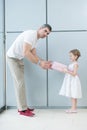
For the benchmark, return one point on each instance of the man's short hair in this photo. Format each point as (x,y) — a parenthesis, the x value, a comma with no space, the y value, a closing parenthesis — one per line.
(48,26)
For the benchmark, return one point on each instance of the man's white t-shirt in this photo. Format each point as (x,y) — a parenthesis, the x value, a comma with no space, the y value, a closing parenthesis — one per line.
(16,50)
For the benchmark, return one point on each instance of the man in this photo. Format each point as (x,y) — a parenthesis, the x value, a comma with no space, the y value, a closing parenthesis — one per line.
(25,46)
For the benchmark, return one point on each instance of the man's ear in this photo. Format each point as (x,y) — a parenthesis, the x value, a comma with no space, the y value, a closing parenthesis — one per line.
(40,28)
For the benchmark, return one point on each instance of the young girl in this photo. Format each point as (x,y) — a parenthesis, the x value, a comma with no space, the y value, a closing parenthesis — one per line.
(71,86)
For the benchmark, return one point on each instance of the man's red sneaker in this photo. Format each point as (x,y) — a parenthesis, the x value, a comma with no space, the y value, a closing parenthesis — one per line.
(30,109)
(26,113)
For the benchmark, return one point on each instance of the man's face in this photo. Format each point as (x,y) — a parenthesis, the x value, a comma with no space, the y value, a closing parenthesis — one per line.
(43,32)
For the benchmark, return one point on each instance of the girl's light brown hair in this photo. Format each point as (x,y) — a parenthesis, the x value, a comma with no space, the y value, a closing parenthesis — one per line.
(76,52)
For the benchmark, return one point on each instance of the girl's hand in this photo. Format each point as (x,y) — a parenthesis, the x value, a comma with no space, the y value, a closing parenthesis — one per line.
(65,70)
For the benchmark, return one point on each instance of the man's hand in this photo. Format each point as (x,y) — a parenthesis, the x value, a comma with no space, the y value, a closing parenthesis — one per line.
(45,64)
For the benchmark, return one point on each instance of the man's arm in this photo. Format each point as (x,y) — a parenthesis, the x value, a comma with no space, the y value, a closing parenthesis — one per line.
(31,55)
(27,51)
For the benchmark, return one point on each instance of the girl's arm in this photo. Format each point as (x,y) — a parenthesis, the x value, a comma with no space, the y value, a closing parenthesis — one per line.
(74,72)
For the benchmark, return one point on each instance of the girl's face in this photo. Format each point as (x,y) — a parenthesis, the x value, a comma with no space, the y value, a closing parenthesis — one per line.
(72,57)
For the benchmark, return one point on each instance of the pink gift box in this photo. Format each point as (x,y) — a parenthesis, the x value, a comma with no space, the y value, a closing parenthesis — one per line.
(58,66)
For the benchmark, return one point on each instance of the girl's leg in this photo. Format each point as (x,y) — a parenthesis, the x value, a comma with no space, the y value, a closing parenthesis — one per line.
(74,103)
(73,107)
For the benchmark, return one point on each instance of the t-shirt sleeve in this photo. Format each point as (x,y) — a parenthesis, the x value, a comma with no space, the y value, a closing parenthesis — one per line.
(29,39)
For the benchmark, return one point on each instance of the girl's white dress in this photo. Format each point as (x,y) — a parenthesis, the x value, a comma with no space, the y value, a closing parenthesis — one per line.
(71,86)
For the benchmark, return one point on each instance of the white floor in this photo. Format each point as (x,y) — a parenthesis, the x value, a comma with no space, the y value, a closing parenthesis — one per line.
(45,119)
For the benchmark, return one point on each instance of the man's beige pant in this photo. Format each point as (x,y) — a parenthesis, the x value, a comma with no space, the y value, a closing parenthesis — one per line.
(17,70)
